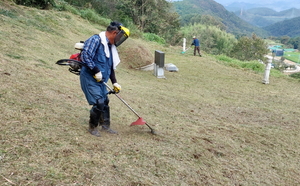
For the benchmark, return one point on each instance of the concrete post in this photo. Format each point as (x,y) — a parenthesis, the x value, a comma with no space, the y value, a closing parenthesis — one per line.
(267,71)
(159,63)
(184,45)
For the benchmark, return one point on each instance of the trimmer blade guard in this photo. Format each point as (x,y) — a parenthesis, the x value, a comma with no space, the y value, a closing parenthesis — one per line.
(139,121)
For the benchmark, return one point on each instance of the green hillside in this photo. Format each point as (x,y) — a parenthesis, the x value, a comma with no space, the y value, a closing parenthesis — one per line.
(189,9)
(263,17)
(289,27)
(217,123)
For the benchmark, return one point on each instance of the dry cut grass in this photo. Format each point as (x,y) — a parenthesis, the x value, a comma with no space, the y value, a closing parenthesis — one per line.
(217,125)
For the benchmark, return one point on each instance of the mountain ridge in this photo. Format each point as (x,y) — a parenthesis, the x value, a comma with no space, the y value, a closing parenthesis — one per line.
(234,24)
(263,16)
(284,28)
(278,6)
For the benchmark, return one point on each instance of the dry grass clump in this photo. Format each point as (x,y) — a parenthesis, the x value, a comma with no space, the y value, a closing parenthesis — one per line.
(217,125)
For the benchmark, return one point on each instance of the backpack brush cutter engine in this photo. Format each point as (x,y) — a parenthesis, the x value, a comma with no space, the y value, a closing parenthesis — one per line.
(75,67)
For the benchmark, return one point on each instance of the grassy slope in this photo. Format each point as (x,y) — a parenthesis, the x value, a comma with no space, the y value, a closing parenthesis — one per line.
(218,125)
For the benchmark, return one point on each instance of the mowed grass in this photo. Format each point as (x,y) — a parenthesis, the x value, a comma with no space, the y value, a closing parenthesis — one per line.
(217,125)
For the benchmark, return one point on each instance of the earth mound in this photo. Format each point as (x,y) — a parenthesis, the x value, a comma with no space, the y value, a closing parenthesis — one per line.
(134,55)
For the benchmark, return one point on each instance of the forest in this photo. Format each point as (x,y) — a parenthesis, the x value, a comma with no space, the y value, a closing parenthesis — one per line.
(221,31)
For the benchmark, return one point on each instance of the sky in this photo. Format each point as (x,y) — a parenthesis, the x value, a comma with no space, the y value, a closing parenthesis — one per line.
(255,1)
(274,4)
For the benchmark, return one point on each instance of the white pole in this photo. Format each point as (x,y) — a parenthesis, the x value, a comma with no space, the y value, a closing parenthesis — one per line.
(184,44)
(267,71)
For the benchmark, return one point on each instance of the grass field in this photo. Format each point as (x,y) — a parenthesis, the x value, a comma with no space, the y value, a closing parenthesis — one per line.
(292,56)
(217,125)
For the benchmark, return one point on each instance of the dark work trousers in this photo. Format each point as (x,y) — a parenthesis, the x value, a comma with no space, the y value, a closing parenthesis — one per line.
(198,49)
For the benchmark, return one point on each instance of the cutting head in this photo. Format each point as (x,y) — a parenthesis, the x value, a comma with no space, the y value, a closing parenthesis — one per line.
(139,121)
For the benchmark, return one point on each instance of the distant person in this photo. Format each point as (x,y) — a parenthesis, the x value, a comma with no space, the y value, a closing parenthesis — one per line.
(196,43)
(101,58)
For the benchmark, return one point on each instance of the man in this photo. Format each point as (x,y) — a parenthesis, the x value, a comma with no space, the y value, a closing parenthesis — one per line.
(101,58)
(196,43)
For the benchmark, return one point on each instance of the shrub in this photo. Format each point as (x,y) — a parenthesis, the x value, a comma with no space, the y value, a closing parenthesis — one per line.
(295,75)
(92,16)
(249,48)
(153,37)
(253,65)
(43,4)
(63,6)
(213,40)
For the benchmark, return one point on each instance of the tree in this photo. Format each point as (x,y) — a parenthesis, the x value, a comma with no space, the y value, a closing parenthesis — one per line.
(247,49)
(284,39)
(294,42)
(150,16)
(213,39)
(212,21)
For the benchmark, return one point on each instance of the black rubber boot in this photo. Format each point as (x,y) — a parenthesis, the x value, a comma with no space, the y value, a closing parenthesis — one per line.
(93,123)
(105,121)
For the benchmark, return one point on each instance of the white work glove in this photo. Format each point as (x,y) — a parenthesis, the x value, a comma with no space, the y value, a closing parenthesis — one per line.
(117,88)
(98,76)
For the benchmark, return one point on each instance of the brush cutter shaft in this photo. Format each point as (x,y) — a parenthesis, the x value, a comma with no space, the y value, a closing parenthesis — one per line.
(187,49)
(110,89)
